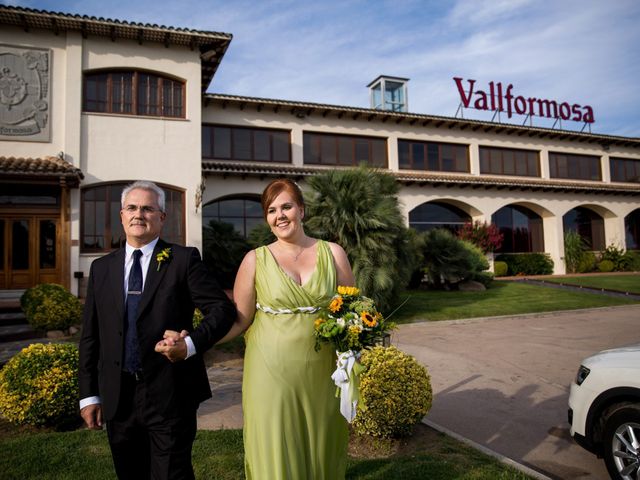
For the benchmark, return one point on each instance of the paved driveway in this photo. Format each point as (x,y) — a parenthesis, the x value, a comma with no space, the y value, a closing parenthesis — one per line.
(503,382)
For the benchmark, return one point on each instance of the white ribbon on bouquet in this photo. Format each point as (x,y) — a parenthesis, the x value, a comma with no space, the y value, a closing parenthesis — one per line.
(346,379)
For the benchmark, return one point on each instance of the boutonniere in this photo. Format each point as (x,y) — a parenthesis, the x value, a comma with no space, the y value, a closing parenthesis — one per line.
(163,256)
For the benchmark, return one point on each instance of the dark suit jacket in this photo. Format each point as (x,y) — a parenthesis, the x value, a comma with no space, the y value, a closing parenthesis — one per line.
(168,300)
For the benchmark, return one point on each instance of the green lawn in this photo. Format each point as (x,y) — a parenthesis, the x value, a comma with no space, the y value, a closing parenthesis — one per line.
(218,454)
(623,283)
(502,298)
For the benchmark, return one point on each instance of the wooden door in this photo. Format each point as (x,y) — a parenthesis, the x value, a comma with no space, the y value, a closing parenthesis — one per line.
(30,247)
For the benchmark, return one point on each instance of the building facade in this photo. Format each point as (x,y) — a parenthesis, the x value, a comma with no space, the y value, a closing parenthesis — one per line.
(127,101)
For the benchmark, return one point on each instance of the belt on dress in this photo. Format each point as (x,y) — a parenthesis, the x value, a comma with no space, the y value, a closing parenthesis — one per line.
(285,311)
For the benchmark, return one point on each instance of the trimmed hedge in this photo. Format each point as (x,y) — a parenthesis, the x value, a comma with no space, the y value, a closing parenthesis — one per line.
(500,268)
(527,263)
(49,306)
(39,386)
(395,393)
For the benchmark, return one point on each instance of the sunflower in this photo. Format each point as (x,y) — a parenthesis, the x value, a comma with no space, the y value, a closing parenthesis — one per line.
(336,304)
(368,319)
(348,290)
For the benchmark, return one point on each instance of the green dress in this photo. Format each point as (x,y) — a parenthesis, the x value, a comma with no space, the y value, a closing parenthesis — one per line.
(292,424)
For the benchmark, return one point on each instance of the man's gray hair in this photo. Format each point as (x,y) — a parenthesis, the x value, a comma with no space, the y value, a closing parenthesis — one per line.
(144,185)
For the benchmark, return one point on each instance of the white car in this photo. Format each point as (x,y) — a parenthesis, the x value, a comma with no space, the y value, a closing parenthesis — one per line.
(604,409)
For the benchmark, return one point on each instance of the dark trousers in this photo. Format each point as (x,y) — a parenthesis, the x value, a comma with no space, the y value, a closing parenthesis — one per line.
(146,445)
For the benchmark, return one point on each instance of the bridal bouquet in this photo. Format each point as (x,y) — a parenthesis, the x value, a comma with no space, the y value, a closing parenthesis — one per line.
(350,323)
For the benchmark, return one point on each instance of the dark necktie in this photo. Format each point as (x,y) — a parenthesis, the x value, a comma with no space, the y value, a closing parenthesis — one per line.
(134,292)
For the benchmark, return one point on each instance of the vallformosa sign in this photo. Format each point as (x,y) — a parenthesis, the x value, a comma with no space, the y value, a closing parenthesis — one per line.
(501,99)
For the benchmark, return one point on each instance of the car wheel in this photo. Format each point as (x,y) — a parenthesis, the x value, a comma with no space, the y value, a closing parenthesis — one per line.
(621,442)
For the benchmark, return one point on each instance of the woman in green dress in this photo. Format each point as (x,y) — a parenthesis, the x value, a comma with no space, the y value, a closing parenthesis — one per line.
(292,424)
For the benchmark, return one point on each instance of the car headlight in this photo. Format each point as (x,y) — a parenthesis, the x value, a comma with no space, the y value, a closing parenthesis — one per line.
(583,373)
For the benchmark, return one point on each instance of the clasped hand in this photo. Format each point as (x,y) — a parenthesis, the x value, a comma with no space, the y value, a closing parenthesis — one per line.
(173,345)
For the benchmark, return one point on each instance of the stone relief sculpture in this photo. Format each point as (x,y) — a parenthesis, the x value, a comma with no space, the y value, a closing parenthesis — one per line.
(24,93)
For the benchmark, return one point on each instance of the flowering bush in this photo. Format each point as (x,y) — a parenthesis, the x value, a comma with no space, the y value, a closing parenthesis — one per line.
(39,385)
(395,393)
(485,236)
(351,322)
(49,306)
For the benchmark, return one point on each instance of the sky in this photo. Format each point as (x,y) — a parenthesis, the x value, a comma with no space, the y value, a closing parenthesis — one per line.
(584,52)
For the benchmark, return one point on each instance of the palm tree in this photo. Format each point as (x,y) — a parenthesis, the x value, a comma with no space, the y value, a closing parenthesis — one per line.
(359,210)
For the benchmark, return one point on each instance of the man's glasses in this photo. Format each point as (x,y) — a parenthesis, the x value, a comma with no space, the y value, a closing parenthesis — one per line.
(144,209)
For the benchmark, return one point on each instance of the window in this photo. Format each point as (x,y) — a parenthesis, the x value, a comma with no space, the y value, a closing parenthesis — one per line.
(632,230)
(588,224)
(508,161)
(437,157)
(432,215)
(246,144)
(133,93)
(347,150)
(101,229)
(624,170)
(522,230)
(40,195)
(243,213)
(574,167)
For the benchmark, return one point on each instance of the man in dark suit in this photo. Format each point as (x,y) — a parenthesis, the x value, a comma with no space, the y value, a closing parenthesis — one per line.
(134,295)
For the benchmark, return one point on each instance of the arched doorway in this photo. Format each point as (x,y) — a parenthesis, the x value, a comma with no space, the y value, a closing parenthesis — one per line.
(522,229)
(432,215)
(588,224)
(244,212)
(632,230)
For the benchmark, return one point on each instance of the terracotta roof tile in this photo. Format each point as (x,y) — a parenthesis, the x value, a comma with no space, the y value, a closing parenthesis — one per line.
(46,167)
(426,178)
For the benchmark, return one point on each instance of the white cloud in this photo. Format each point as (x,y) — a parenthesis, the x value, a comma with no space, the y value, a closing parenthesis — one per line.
(582,51)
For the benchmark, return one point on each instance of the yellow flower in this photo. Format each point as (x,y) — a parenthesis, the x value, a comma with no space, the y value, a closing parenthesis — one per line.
(368,319)
(336,304)
(348,290)
(163,256)
(319,322)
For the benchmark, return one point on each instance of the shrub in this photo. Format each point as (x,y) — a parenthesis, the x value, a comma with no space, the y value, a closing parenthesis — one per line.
(197,318)
(500,268)
(485,236)
(527,263)
(395,393)
(50,307)
(606,266)
(39,386)
(574,249)
(616,256)
(224,249)
(261,235)
(587,263)
(632,261)
(449,260)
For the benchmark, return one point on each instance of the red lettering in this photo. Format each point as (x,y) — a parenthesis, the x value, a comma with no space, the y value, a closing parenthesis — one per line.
(481,101)
(588,115)
(577,113)
(463,96)
(495,100)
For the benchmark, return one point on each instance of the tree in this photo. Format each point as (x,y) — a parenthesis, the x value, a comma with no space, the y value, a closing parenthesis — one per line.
(223,251)
(359,210)
(485,236)
(449,260)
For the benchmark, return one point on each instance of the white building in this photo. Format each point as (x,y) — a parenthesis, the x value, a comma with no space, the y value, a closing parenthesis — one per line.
(92,104)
